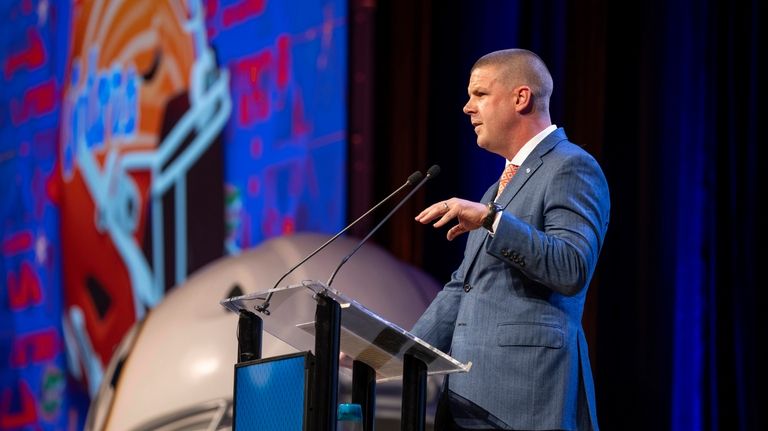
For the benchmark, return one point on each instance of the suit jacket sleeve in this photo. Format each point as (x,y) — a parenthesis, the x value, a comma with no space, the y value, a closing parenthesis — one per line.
(575,217)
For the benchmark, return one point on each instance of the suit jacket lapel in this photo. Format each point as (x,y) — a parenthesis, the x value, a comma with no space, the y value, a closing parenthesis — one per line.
(530,165)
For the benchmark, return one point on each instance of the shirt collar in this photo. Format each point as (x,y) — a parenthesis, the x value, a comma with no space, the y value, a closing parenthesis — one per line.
(530,145)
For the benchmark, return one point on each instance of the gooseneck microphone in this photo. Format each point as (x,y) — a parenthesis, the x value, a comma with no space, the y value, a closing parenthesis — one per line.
(431,173)
(414,178)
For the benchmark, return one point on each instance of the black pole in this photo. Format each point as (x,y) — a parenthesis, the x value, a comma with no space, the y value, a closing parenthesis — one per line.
(414,394)
(325,393)
(249,332)
(364,392)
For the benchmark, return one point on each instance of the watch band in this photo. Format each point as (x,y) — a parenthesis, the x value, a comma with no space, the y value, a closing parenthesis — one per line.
(493,209)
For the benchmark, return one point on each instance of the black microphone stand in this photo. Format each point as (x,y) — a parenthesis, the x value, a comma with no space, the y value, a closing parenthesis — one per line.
(431,173)
(414,178)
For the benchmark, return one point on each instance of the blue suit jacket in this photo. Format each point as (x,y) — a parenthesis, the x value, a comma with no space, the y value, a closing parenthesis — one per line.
(514,306)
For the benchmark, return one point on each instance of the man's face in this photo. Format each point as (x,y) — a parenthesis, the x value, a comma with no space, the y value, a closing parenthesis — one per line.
(491,108)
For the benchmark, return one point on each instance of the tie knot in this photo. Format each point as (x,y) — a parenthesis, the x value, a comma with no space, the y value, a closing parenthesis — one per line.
(509,172)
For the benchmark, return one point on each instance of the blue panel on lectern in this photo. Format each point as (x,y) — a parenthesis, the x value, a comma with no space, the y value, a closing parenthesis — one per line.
(270,393)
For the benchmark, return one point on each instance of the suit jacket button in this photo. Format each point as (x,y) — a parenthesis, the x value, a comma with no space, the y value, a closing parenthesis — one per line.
(467,287)
(505,252)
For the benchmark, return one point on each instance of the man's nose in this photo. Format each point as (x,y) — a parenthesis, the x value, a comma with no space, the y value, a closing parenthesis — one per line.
(468,108)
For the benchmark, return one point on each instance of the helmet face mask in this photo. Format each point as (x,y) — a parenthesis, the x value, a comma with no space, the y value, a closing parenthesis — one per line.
(144,106)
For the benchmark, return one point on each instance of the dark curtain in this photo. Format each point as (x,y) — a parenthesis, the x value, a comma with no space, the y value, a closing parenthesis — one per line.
(668,96)
(678,329)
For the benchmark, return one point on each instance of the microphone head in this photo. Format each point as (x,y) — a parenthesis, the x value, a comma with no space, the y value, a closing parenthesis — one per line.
(433,171)
(415,178)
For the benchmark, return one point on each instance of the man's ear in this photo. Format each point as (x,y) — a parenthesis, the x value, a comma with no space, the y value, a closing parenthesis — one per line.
(523,100)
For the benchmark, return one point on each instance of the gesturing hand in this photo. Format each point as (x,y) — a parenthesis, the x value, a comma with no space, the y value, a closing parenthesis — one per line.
(469,214)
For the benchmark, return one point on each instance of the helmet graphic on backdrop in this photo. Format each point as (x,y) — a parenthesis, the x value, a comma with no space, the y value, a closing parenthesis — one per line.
(143,104)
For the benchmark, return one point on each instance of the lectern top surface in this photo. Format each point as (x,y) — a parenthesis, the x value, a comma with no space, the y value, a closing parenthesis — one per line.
(365,336)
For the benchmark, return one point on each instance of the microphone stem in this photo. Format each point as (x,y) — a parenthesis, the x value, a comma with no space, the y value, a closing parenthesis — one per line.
(263,307)
(360,244)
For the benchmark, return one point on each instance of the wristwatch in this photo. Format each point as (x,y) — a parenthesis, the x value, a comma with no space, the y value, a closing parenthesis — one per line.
(490,218)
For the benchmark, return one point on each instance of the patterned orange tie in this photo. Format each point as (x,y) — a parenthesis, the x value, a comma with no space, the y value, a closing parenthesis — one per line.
(509,171)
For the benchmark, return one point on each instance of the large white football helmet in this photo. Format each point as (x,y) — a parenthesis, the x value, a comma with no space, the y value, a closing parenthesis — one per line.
(175,370)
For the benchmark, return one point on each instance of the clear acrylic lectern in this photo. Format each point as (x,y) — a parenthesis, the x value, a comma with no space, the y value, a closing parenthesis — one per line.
(294,315)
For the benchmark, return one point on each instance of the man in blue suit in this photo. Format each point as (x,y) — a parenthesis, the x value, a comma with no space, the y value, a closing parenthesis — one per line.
(514,306)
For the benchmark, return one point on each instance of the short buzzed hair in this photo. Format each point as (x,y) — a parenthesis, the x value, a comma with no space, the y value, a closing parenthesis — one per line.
(522,67)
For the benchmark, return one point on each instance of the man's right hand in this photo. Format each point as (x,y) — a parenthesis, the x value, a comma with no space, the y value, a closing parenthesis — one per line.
(469,214)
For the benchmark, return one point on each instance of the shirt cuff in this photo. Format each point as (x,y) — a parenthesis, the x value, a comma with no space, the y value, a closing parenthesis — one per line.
(496,222)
